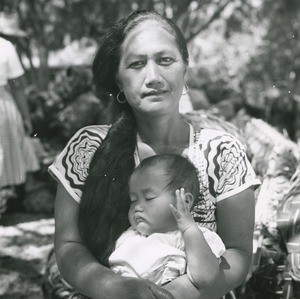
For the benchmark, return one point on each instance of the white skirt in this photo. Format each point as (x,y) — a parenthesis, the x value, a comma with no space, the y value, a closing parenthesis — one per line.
(14,164)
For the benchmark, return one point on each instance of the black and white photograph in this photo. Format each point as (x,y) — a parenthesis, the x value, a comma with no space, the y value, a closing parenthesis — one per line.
(150,149)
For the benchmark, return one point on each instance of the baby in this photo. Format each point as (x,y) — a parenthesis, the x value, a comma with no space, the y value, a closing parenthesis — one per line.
(164,241)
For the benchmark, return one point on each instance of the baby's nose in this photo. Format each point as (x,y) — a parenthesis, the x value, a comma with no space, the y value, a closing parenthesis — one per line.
(138,207)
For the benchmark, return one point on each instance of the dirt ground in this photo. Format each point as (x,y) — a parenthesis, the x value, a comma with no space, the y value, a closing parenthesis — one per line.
(25,241)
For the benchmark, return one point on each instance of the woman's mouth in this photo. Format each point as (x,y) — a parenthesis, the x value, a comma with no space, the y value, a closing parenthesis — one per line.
(154,93)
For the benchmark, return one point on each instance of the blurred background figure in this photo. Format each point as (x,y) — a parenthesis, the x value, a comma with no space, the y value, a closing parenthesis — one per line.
(18,156)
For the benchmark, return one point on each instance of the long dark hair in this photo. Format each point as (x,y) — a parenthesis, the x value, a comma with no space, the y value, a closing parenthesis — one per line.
(105,202)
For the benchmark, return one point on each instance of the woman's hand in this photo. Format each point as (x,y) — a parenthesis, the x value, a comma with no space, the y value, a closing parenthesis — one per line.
(181,287)
(134,288)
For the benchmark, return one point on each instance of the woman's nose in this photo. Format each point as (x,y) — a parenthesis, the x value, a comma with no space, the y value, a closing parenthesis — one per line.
(153,78)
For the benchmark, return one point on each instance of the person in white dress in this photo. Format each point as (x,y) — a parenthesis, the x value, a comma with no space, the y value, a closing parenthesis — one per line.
(15,122)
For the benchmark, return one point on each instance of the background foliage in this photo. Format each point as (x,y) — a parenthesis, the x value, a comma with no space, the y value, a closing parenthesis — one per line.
(244,53)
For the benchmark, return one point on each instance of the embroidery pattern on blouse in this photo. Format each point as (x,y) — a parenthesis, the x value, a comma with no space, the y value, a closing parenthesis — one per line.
(233,167)
(78,157)
(204,211)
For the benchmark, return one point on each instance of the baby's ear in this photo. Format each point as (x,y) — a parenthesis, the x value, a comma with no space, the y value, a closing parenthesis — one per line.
(189,199)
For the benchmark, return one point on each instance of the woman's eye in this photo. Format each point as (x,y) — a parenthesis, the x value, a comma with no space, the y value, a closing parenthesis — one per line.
(166,60)
(136,64)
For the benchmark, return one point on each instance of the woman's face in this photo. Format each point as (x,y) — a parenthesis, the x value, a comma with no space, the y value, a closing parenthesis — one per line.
(151,71)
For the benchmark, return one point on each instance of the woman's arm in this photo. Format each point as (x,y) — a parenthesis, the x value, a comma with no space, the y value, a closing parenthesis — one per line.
(16,86)
(81,270)
(235,222)
(200,256)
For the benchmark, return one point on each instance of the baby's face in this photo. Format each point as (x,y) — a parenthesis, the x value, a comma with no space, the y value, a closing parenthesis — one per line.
(149,211)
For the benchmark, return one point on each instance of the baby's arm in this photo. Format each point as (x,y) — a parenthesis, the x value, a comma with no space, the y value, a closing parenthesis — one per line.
(202,264)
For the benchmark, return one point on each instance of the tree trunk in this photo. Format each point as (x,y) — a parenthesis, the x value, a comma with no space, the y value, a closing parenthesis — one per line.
(43,71)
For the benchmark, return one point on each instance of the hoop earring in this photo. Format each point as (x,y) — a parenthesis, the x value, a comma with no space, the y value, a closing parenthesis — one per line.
(118,98)
(187,89)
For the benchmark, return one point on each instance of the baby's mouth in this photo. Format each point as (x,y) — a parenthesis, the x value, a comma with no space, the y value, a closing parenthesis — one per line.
(138,220)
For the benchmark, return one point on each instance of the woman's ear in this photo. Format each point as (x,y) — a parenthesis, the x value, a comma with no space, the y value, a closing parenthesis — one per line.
(189,199)
(118,82)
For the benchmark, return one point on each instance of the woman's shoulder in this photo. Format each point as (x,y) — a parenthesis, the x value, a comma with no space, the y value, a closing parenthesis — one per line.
(212,126)
(84,143)
(216,140)
(94,129)
(71,166)
(93,134)
(208,134)
(212,132)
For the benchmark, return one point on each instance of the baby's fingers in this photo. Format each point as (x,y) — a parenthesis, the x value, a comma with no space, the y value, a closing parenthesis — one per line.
(175,212)
(181,200)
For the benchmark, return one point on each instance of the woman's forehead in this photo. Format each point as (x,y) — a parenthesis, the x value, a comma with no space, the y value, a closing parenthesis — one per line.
(147,36)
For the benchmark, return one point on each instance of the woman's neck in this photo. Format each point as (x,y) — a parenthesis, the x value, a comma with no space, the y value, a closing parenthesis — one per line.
(164,134)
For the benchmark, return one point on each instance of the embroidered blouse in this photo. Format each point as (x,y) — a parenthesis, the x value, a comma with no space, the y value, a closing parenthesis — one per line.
(223,167)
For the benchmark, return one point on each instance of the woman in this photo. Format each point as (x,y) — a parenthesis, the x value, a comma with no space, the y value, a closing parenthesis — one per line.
(15,122)
(142,61)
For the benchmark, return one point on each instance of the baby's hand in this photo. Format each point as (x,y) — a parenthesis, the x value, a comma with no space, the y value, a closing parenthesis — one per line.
(182,214)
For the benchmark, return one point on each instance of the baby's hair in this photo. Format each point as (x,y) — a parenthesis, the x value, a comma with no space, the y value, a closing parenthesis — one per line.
(179,173)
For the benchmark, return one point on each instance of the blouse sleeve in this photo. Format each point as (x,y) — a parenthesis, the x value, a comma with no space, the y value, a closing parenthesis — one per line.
(230,171)
(214,241)
(70,167)
(14,68)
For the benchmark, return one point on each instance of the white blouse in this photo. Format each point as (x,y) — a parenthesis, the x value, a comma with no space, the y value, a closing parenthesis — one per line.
(10,65)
